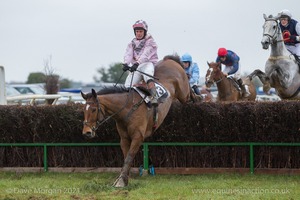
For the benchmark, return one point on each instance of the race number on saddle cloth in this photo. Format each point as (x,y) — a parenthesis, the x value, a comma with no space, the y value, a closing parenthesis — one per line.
(161,93)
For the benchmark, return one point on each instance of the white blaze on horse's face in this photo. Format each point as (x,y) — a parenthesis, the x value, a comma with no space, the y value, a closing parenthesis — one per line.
(90,121)
(210,70)
(208,81)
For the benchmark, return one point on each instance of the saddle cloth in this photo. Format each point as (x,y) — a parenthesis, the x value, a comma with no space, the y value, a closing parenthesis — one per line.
(161,93)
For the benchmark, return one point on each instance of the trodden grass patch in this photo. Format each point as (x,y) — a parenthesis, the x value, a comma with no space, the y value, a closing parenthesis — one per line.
(99,186)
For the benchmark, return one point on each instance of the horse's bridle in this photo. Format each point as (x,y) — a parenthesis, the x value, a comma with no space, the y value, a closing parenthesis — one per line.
(99,110)
(216,81)
(98,122)
(273,38)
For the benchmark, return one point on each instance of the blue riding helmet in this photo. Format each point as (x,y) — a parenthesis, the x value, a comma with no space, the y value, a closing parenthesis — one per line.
(186,58)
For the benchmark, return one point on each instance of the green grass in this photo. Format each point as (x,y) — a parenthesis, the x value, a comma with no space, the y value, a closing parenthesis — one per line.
(99,186)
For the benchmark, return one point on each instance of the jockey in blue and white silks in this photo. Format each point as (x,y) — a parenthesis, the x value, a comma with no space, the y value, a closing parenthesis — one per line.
(192,70)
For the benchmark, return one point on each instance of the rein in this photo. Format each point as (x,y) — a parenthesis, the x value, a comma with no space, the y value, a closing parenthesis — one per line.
(218,81)
(105,119)
(99,110)
(215,81)
(273,38)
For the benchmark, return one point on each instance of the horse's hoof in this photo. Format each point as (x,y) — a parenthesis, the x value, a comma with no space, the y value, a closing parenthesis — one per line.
(266,88)
(120,182)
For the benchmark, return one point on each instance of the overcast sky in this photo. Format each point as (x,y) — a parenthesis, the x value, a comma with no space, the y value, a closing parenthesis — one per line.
(81,36)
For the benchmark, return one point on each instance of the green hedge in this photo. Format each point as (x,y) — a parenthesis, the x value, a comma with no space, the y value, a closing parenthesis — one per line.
(203,122)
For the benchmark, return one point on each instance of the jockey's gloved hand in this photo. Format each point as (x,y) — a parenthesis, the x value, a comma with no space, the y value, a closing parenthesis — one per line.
(188,75)
(125,67)
(293,37)
(286,35)
(134,67)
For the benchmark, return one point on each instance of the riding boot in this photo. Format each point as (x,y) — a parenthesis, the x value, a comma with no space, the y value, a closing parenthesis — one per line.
(245,90)
(196,90)
(152,91)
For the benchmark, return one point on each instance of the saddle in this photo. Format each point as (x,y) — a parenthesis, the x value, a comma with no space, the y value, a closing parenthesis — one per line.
(161,92)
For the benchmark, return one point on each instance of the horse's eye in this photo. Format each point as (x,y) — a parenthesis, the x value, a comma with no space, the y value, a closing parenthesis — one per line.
(93,109)
(274,27)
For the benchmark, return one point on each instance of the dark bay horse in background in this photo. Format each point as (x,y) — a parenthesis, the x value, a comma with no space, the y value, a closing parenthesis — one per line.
(134,120)
(281,69)
(227,88)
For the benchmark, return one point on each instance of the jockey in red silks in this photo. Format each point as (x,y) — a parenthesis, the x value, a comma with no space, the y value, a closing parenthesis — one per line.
(232,67)
(141,54)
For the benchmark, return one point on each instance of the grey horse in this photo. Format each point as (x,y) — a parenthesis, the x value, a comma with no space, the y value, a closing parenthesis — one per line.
(281,69)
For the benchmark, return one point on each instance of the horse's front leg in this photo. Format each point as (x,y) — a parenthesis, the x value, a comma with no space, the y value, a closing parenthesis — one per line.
(122,180)
(263,78)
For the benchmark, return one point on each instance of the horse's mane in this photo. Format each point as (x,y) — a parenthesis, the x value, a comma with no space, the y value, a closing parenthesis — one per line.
(112,89)
(175,58)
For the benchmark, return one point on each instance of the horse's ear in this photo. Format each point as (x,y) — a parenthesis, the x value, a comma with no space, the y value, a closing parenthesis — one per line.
(219,65)
(265,16)
(278,16)
(84,96)
(94,93)
(208,63)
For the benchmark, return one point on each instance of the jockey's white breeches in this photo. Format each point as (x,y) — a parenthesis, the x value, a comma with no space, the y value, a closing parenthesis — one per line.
(236,75)
(294,49)
(136,77)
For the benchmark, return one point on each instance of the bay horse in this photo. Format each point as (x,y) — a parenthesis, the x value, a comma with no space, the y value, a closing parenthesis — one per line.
(134,119)
(227,88)
(205,96)
(281,68)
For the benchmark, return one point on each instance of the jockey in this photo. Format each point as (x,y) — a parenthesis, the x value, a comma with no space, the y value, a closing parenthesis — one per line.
(290,29)
(231,62)
(141,54)
(192,70)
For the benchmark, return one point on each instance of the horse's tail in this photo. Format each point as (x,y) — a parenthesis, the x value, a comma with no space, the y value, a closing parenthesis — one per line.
(175,58)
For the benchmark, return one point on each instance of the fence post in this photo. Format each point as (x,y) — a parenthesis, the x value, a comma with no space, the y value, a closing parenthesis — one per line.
(251,158)
(2,87)
(45,158)
(146,156)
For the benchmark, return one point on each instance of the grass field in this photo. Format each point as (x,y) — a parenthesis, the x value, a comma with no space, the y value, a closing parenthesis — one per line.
(99,186)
